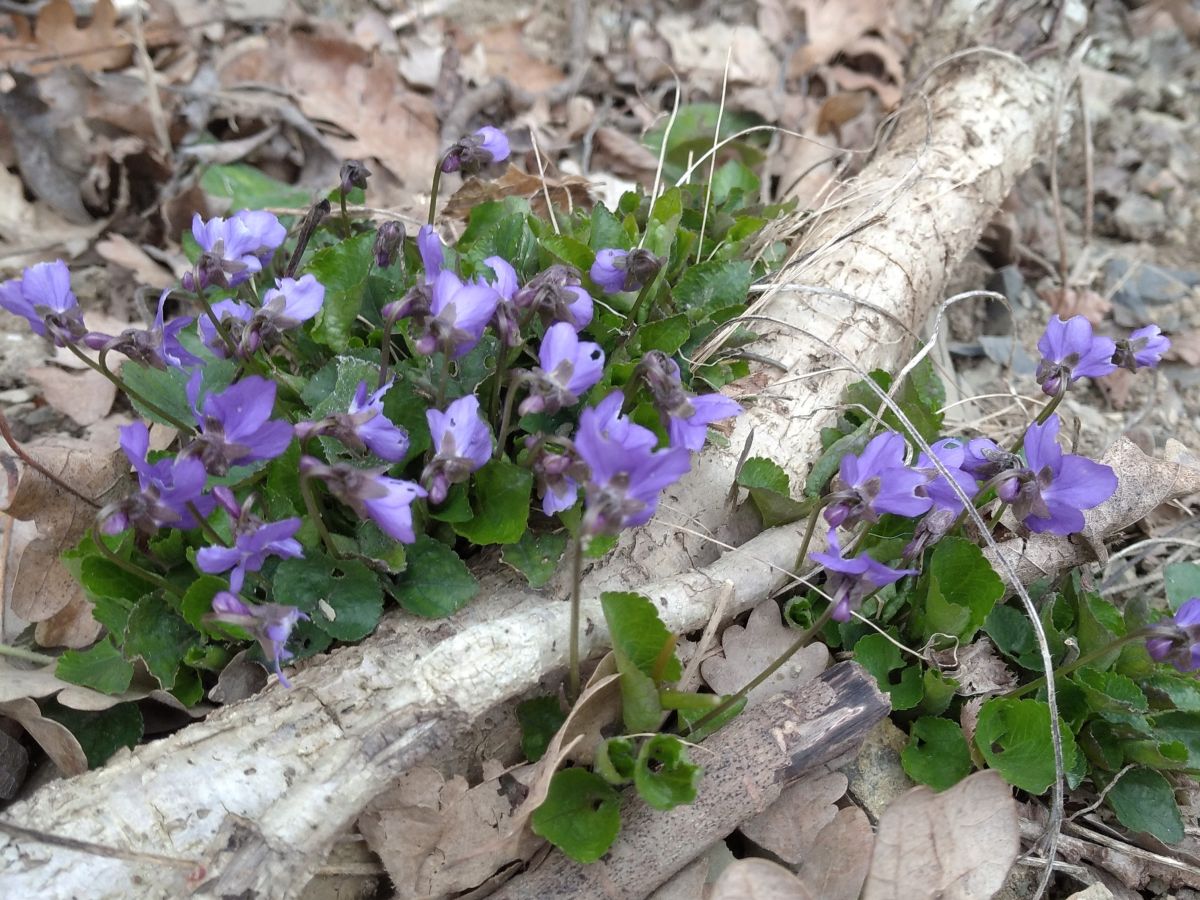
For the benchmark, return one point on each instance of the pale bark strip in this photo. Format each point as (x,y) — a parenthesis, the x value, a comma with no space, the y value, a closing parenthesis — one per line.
(746,766)
(301,764)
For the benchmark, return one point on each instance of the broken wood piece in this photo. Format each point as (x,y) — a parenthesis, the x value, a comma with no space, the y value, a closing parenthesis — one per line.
(746,766)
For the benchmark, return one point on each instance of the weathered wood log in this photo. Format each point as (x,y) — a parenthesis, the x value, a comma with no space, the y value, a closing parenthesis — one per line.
(746,766)
(301,764)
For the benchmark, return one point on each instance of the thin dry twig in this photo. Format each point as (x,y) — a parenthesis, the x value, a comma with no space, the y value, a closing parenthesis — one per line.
(69,843)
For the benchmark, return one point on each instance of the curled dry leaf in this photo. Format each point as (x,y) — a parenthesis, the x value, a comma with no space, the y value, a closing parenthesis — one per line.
(14,763)
(836,865)
(241,678)
(1071,302)
(567,192)
(43,586)
(60,745)
(790,825)
(759,879)
(981,671)
(437,838)
(57,39)
(956,845)
(751,649)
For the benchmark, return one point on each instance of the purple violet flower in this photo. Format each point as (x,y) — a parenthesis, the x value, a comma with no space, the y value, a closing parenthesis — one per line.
(568,367)
(235,426)
(851,580)
(1048,494)
(292,302)
(1178,641)
(234,316)
(687,417)
(43,297)
(459,314)
(472,153)
(387,501)
(462,443)
(692,432)
(1143,349)
(235,248)
(558,472)
(433,252)
(254,541)
(984,459)
(1070,351)
(169,488)
(624,270)
(952,453)
(507,320)
(363,427)
(555,295)
(625,475)
(877,481)
(157,346)
(270,623)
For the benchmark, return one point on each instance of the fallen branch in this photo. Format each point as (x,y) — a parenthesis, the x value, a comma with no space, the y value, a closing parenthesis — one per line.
(300,765)
(746,766)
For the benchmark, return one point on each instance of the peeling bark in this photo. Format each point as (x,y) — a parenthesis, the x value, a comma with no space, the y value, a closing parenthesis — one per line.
(298,766)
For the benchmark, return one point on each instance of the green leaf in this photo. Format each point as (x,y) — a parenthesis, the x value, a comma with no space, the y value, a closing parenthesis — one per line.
(713,285)
(101,733)
(938,692)
(693,131)
(381,549)
(160,636)
(828,462)
(937,753)
(406,408)
(730,177)
(921,398)
(1184,727)
(536,556)
(962,589)
(639,633)
(334,398)
(1014,738)
(436,582)
(1144,801)
(539,718)
(607,231)
(581,815)
(641,709)
(250,188)
(667,335)
(101,668)
(1011,632)
(615,761)
(456,507)
(689,718)
(664,776)
(1183,583)
(881,657)
(1109,692)
(197,600)
(343,597)
(1181,690)
(168,390)
(101,577)
(770,492)
(502,493)
(343,269)
(569,250)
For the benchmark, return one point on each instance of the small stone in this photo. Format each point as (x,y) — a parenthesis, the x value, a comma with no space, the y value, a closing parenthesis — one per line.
(876,776)
(13,396)
(1139,218)
(1095,891)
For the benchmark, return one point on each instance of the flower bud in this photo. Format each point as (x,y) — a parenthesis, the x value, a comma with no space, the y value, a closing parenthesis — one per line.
(354,175)
(388,239)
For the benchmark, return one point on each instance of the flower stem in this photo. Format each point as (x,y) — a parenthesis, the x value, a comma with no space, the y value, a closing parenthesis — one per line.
(345,217)
(576,588)
(437,183)
(131,567)
(28,655)
(314,513)
(24,456)
(216,323)
(209,531)
(385,351)
(813,518)
(1136,635)
(103,369)
(443,380)
(631,321)
(805,637)
(1045,414)
(506,419)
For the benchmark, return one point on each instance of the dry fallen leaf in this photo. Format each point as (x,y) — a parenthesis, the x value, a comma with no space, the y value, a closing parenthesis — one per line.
(751,649)
(14,763)
(956,845)
(568,192)
(58,39)
(686,884)
(1186,348)
(86,397)
(981,671)
(837,863)
(60,745)
(759,879)
(789,826)
(119,250)
(1071,302)
(241,678)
